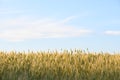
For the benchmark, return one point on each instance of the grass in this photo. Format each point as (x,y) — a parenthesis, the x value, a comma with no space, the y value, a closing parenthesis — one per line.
(65,65)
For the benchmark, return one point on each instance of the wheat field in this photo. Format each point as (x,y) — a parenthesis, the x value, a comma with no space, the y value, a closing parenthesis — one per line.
(54,65)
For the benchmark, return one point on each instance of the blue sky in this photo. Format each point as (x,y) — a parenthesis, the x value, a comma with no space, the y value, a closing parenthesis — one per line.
(56,24)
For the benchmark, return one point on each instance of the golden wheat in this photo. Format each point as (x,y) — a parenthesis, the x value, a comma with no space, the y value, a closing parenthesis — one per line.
(54,65)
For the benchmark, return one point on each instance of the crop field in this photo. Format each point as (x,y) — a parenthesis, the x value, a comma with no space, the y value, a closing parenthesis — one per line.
(64,65)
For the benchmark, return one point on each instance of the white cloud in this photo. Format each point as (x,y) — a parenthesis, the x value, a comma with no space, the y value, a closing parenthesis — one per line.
(20,29)
(110,32)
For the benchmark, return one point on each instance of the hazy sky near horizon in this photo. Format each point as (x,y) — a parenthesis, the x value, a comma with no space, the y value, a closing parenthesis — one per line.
(56,24)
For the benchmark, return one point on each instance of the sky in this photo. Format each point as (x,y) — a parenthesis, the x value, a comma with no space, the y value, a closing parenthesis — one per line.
(60,24)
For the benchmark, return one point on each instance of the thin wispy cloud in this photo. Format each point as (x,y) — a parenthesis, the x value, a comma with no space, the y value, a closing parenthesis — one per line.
(68,19)
(110,32)
(9,11)
(7,0)
(20,29)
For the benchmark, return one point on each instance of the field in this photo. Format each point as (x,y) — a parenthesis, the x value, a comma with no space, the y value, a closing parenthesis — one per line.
(64,65)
